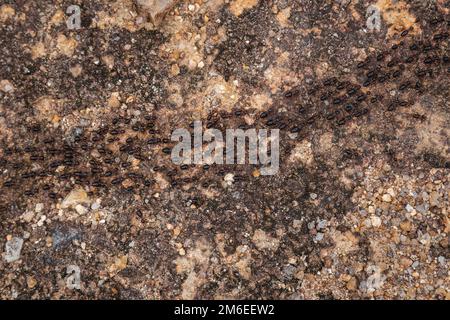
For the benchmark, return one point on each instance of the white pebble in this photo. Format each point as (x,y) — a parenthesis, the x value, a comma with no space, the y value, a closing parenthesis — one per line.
(387,197)
(41,221)
(12,249)
(80,209)
(322,224)
(376,221)
(39,207)
(96,205)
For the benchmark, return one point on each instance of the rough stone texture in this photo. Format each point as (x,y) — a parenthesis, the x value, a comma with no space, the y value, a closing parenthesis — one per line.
(157,9)
(359,208)
(12,249)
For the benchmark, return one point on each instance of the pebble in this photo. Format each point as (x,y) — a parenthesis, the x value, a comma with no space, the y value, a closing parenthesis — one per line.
(322,224)
(229,178)
(424,238)
(297,223)
(41,221)
(319,236)
(289,271)
(6,86)
(434,199)
(96,205)
(409,208)
(391,192)
(31,282)
(73,281)
(352,284)
(387,197)
(422,208)
(76,196)
(13,248)
(376,221)
(80,209)
(406,262)
(313,196)
(39,207)
(28,216)
(374,281)
(406,226)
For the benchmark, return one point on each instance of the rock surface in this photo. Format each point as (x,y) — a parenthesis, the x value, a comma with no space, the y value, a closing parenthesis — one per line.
(92,206)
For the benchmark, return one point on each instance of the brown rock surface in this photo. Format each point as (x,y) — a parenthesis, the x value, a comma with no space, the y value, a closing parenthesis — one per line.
(93,207)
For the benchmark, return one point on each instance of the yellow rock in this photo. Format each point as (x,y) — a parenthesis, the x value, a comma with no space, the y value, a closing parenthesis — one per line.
(238,6)
(114,100)
(177,231)
(56,119)
(397,16)
(31,282)
(76,196)
(256,173)
(264,241)
(66,45)
(6,12)
(57,18)
(175,70)
(127,183)
(119,264)
(38,50)
(406,226)
(352,284)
